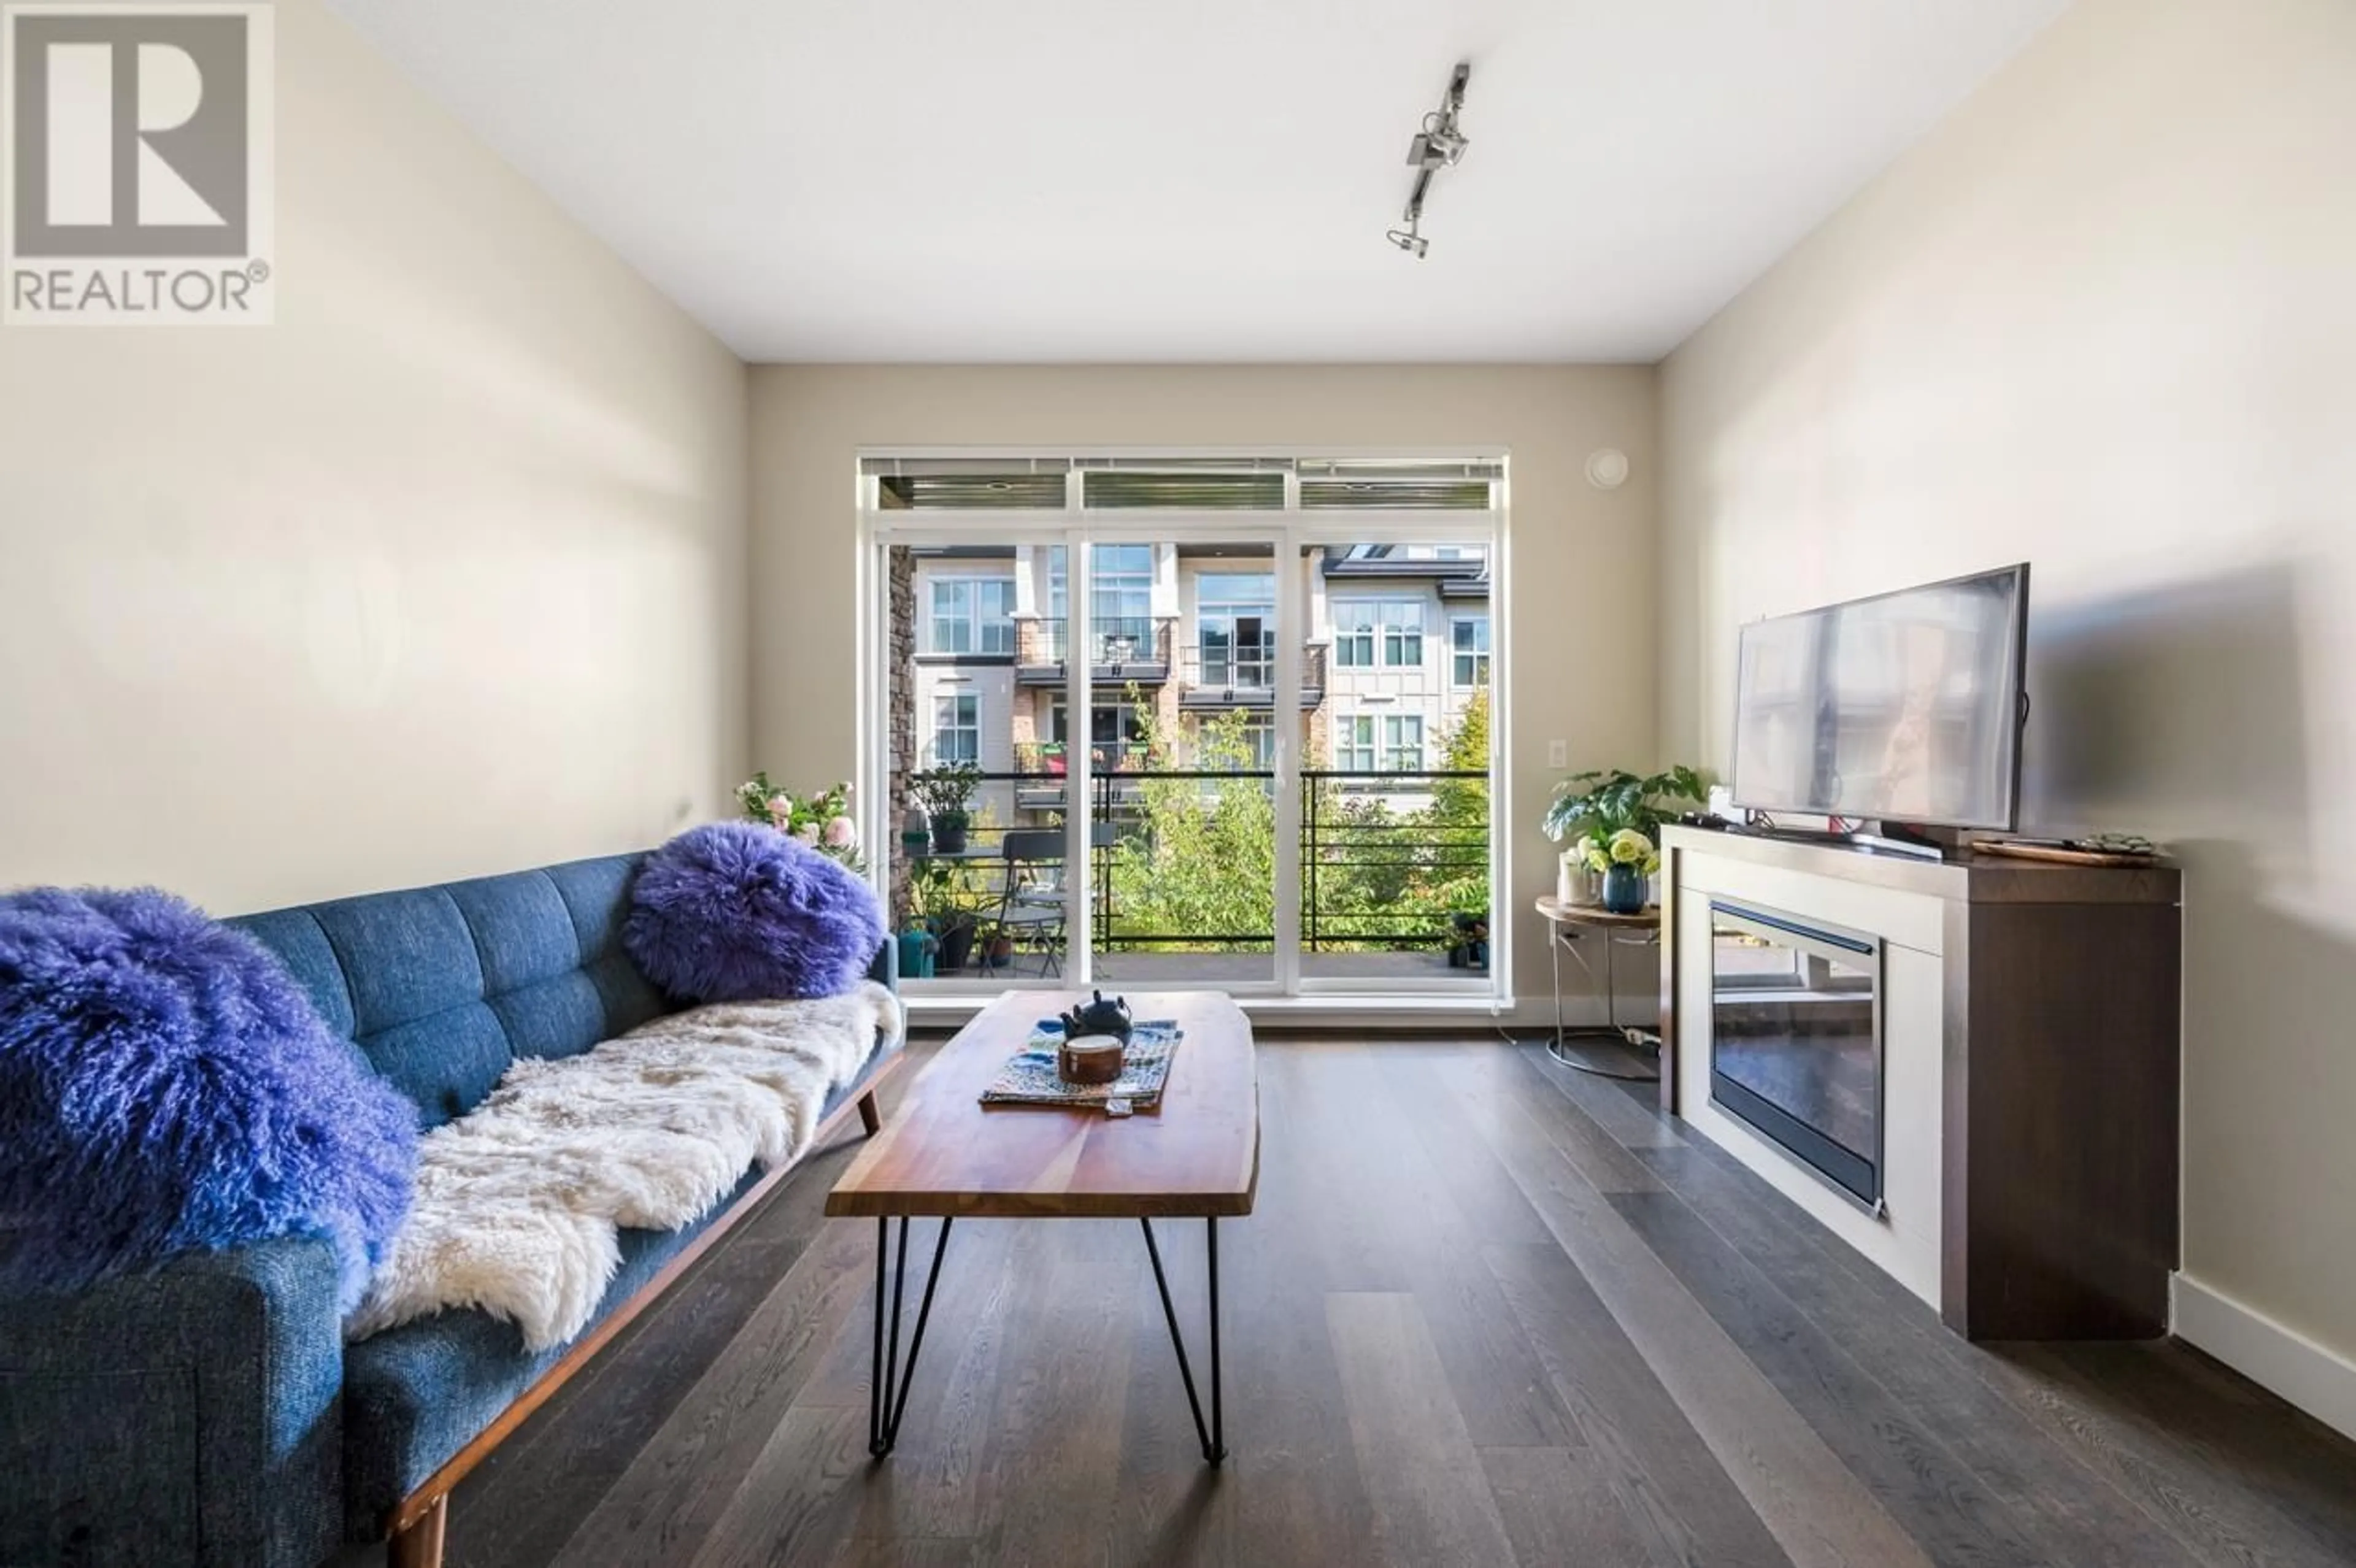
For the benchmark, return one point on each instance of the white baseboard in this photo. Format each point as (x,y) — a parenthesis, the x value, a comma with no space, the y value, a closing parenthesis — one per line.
(1477,1016)
(2320,1381)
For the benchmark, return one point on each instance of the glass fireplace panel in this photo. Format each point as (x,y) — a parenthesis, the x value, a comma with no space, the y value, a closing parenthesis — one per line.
(1796,1040)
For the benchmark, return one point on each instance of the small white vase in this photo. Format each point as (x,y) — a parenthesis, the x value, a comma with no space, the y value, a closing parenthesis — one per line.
(1574,884)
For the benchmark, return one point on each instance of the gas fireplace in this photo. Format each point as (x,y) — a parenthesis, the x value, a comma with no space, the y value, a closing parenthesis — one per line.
(1795,1041)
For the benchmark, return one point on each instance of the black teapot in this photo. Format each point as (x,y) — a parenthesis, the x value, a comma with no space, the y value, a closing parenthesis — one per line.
(1098,1016)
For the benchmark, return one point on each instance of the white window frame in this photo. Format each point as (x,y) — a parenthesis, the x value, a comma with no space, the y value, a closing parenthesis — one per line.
(1220,615)
(1386,629)
(1394,745)
(960,703)
(1260,731)
(1113,593)
(1350,754)
(1479,654)
(978,625)
(1349,634)
(1291,532)
(1397,634)
(1117,707)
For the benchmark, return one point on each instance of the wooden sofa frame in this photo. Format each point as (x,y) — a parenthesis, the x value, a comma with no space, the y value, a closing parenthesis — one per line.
(415,1526)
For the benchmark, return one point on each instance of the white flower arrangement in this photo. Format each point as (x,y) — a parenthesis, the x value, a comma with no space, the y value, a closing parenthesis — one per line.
(1628,847)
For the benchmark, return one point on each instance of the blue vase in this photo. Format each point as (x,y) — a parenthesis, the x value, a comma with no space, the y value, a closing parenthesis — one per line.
(1623,889)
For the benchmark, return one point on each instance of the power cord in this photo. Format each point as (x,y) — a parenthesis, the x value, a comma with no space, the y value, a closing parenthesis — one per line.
(1578,1066)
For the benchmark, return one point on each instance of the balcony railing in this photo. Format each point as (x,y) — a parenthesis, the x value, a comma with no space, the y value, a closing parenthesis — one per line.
(1351,845)
(1389,861)
(1120,648)
(1043,766)
(1248,662)
(1244,675)
(1052,759)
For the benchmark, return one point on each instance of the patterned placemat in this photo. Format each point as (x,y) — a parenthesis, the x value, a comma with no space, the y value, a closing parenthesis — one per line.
(1029,1077)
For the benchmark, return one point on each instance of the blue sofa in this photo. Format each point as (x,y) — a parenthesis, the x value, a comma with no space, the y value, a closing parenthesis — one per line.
(209,1413)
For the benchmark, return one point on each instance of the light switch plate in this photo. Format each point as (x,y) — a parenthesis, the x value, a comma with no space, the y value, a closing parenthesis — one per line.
(1558,753)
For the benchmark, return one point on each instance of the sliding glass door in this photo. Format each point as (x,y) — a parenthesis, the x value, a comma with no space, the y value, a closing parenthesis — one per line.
(974,788)
(1395,839)
(1184,811)
(1167,722)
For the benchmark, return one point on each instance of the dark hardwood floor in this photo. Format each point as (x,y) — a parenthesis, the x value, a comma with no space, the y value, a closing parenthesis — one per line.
(1488,1312)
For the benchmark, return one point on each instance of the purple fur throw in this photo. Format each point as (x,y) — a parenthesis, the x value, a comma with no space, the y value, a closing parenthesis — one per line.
(165,1086)
(736,912)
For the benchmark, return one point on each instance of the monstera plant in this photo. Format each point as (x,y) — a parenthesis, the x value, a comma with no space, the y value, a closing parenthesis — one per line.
(1615,817)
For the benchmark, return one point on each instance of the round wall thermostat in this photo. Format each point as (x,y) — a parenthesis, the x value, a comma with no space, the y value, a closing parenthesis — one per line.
(1607,468)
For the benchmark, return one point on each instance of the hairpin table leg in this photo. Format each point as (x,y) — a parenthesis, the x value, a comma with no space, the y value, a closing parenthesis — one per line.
(1212,1437)
(888,1381)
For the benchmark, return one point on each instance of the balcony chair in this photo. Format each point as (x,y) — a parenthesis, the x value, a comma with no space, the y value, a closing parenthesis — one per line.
(1031,900)
(1030,907)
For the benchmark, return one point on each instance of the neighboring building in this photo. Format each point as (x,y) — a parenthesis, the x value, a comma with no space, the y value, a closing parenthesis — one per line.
(1395,640)
(1407,645)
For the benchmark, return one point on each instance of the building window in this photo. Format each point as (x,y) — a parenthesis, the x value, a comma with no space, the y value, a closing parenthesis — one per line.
(1260,738)
(1403,635)
(1388,631)
(956,729)
(973,615)
(1403,742)
(1468,639)
(1234,616)
(1121,592)
(1354,636)
(1387,742)
(1353,743)
(1116,730)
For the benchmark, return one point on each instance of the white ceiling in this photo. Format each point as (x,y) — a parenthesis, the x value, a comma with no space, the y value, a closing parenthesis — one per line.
(1075,180)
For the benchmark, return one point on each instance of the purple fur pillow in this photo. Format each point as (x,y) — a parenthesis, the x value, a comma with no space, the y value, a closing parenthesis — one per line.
(165,1086)
(735,911)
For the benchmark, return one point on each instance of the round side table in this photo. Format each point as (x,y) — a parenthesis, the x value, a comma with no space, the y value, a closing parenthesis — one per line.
(1567,923)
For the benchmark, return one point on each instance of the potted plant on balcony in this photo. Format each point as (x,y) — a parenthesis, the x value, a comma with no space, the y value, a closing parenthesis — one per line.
(1615,818)
(946,901)
(946,795)
(1468,927)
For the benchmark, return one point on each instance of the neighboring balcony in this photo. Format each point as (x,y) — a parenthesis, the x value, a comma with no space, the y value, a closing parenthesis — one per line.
(1244,676)
(1123,650)
(1042,772)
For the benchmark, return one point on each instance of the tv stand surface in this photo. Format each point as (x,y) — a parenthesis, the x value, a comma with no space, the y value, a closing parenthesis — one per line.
(1884,842)
(1938,844)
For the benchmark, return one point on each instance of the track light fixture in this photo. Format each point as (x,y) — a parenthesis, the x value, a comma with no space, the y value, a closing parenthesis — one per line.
(1408,240)
(1437,145)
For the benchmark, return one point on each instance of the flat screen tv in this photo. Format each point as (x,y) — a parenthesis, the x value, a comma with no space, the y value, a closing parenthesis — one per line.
(1905,707)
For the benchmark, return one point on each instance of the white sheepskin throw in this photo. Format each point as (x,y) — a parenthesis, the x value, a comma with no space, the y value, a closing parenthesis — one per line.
(518,1202)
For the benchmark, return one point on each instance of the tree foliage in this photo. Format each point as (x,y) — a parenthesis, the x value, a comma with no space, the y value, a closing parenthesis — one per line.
(1199,858)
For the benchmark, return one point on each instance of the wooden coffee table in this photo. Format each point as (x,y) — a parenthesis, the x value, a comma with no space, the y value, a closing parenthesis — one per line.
(945,1154)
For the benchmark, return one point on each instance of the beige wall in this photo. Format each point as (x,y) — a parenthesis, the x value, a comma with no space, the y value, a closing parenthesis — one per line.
(810,420)
(2104,319)
(441,574)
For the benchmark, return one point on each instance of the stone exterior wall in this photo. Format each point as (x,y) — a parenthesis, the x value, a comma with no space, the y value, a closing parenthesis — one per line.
(902,642)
